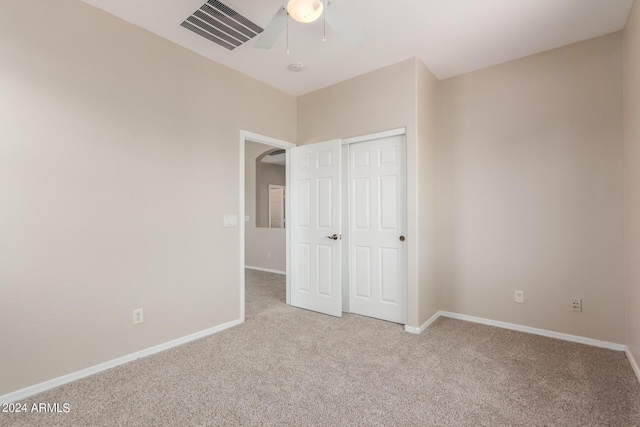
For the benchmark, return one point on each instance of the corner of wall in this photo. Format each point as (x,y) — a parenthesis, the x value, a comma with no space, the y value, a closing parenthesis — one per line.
(427,142)
(631,94)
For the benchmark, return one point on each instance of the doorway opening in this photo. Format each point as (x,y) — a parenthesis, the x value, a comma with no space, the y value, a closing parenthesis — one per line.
(263,247)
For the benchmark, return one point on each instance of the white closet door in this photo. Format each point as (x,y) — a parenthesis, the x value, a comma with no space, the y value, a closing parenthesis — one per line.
(377,187)
(315,227)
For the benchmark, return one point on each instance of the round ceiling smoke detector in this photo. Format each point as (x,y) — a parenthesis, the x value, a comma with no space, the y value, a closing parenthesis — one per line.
(296,67)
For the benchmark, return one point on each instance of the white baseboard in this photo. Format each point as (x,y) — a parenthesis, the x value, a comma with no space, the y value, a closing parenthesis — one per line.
(424,326)
(527,329)
(268,270)
(536,331)
(56,382)
(634,364)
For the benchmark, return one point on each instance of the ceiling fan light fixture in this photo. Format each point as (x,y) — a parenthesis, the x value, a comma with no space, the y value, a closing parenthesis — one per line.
(305,11)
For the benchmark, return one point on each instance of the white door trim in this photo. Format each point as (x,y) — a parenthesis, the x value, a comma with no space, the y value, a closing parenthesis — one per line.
(254,137)
(377,135)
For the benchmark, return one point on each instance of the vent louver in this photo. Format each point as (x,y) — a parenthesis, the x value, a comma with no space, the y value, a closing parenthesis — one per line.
(222,25)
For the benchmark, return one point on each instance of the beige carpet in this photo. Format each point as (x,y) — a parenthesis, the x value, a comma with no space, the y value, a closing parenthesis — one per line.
(287,366)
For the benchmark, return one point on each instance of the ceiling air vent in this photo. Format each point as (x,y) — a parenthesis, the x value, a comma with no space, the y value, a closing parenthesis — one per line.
(220,24)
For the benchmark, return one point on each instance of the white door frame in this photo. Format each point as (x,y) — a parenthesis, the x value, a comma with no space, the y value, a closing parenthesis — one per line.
(254,137)
(377,135)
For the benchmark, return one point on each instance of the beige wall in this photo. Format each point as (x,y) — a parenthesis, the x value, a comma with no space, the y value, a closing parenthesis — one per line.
(381,100)
(118,159)
(427,169)
(531,190)
(632,178)
(260,240)
(377,101)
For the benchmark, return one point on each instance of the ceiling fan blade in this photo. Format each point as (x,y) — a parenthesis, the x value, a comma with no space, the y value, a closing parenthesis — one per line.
(268,37)
(343,25)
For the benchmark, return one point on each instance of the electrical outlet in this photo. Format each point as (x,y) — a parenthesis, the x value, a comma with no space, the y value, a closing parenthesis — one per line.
(268,254)
(576,304)
(138,316)
(519,297)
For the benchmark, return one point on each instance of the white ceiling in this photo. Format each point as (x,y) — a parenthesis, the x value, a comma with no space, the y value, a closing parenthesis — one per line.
(451,37)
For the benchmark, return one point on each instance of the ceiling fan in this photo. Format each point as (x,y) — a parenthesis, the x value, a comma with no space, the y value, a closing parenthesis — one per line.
(307,11)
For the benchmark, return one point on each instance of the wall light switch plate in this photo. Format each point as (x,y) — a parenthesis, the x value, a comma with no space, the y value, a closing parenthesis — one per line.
(231,220)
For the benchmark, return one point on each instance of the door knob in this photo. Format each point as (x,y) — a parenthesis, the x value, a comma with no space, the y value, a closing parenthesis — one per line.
(402,238)
(334,237)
